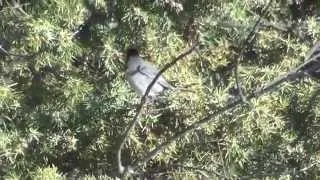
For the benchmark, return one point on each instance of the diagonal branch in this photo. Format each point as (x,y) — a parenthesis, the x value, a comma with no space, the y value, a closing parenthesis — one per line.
(311,56)
(11,54)
(135,120)
(188,130)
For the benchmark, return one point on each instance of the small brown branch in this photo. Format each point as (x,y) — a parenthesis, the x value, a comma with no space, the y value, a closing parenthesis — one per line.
(121,168)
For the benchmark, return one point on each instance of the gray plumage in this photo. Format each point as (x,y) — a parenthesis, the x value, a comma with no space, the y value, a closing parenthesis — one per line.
(140,74)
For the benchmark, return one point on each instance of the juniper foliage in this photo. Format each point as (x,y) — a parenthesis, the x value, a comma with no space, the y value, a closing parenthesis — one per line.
(64,101)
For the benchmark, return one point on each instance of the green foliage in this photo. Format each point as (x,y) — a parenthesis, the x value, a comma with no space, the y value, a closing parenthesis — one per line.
(49,173)
(64,101)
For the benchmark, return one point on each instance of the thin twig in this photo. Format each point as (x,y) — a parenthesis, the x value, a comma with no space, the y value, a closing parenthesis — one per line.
(245,43)
(223,162)
(292,75)
(123,170)
(11,54)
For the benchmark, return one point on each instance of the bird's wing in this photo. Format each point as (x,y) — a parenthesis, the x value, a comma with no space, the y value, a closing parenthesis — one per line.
(150,71)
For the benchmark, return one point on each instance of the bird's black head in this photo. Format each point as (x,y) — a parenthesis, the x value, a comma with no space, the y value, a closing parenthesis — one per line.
(132,52)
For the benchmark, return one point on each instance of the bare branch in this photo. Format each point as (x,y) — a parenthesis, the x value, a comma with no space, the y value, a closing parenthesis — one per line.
(245,43)
(140,106)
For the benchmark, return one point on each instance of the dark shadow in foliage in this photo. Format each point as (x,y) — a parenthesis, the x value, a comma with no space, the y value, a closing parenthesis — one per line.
(89,36)
(200,143)
(302,120)
(169,120)
(39,92)
(91,64)
(265,160)
(133,34)
(90,164)
(254,55)
(180,20)
(302,9)
(86,35)
(92,67)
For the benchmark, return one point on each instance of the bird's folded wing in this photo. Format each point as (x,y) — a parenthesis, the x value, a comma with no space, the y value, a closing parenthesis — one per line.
(150,71)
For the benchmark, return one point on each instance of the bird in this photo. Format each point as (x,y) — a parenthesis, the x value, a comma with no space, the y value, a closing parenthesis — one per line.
(140,73)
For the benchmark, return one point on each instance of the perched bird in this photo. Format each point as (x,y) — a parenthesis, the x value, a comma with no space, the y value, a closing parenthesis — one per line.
(140,74)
